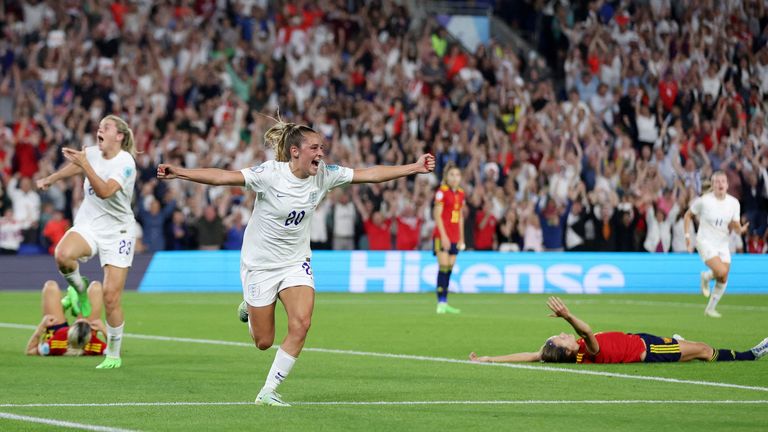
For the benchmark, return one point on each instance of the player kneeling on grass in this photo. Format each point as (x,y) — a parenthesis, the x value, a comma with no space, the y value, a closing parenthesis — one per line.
(55,337)
(619,347)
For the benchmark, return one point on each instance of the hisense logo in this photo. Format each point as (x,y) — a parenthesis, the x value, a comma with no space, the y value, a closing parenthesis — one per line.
(404,272)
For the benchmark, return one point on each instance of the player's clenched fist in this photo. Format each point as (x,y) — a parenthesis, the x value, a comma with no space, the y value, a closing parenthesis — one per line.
(166,172)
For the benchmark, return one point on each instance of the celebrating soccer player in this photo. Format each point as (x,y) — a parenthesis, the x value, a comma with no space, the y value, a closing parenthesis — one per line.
(718,213)
(104,224)
(275,259)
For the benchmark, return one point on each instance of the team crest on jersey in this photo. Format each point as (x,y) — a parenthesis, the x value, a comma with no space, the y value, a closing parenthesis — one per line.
(127,172)
(332,167)
(312,198)
(257,169)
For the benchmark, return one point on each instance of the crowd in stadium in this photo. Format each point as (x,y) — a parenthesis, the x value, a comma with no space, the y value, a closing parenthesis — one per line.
(597,141)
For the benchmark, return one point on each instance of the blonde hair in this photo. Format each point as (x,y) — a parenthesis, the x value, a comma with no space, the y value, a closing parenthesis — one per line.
(282,136)
(711,187)
(128,143)
(78,335)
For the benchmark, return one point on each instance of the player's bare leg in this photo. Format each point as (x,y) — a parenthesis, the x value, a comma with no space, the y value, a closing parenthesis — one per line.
(299,301)
(445,263)
(51,302)
(69,249)
(114,282)
(720,271)
(261,325)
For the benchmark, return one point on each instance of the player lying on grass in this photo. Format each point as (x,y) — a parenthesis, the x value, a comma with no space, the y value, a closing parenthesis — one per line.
(618,347)
(55,337)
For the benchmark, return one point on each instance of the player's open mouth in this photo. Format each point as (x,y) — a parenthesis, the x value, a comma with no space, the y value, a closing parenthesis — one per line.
(316,162)
(100,139)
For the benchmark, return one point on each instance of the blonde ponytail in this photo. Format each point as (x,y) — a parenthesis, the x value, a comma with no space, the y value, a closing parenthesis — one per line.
(282,136)
(128,143)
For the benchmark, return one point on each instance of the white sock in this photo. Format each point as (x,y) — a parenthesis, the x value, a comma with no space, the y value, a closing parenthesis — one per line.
(708,275)
(75,279)
(114,339)
(717,293)
(280,369)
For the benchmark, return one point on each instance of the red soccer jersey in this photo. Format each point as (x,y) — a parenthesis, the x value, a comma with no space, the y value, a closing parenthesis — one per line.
(57,342)
(615,347)
(379,236)
(453,201)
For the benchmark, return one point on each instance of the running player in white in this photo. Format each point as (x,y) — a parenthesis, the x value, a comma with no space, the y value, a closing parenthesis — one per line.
(275,259)
(718,213)
(104,223)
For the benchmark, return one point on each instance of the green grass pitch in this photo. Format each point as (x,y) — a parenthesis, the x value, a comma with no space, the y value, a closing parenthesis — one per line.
(345,381)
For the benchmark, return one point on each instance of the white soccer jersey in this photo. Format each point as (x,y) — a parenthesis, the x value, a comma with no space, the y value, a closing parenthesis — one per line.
(278,231)
(714,216)
(104,215)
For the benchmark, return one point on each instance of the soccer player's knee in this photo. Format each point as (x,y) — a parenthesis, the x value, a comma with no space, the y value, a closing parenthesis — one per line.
(111,300)
(50,285)
(721,275)
(63,255)
(60,255)
(263,344)
(300,325)
(95,286)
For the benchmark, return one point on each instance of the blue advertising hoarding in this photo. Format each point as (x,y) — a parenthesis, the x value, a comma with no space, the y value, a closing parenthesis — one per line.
(475,272)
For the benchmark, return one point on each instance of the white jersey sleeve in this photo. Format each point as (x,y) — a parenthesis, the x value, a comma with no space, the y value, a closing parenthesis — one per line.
(696,206)
(735,208)
(335,175)
(258,177)
(126,170)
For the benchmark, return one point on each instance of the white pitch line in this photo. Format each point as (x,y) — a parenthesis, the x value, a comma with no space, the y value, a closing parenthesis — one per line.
(438,402)
(60,423)
(668,304)
(547,402)
(576,300)
(467,300)
(442,360)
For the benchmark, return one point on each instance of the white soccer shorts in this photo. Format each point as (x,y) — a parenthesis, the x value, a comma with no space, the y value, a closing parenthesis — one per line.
(260,287)
(115,248)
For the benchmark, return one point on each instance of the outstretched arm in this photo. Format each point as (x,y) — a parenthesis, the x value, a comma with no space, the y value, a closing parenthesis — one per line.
(382,173)
(211,176)
(66,171)
(509,358)
(560,310)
